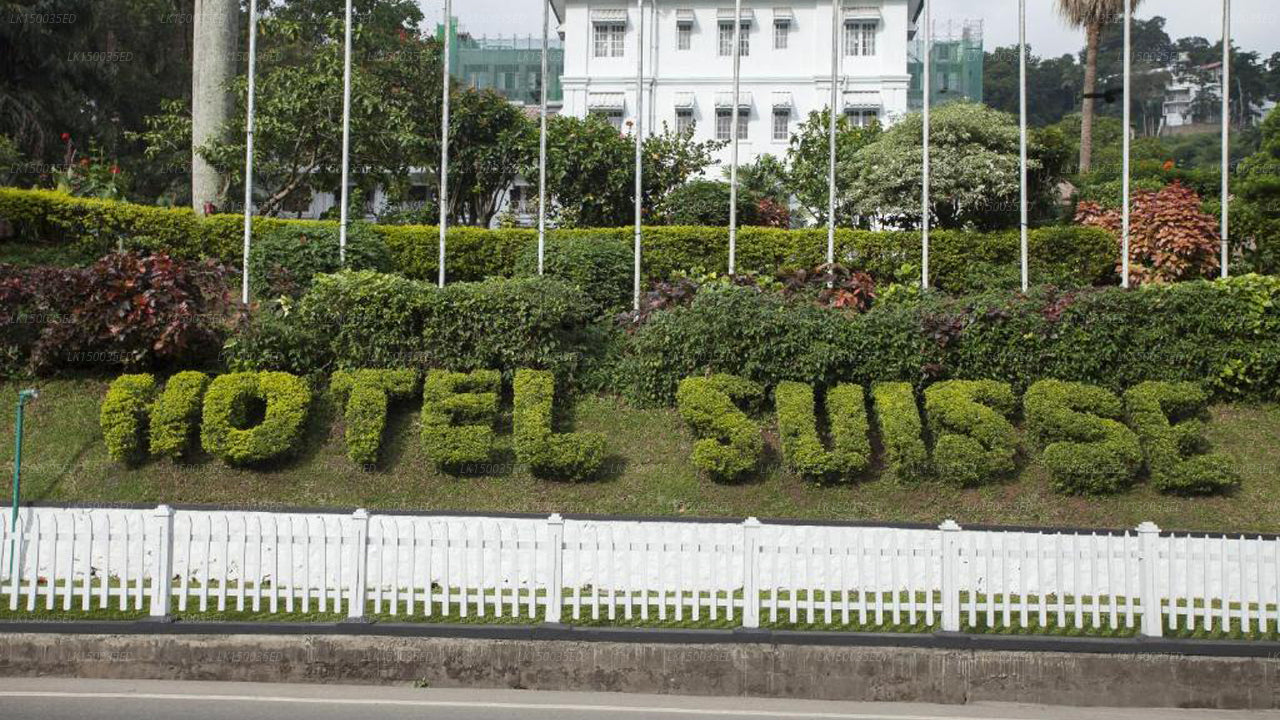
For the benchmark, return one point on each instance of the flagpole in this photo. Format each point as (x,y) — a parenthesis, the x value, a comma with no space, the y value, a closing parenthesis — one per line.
(924,195)
(1226,133)
(542,141)
(248,145)
(346,138)
(831,166)
(733,168)
(1128,39)
(444,135)
(639,140)
(1022,88)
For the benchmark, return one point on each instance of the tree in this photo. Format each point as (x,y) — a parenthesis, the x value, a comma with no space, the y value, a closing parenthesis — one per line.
(215,26)
(1256,212)
(809,161)
(1092,16)
(1053,84)
(489,141)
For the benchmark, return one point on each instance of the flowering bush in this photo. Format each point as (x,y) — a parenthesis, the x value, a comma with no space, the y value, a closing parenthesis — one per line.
(1170,238)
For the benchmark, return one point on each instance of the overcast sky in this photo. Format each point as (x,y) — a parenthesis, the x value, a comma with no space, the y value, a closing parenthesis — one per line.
(1255,23)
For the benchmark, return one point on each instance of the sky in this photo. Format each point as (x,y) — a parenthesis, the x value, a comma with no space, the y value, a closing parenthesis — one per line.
(1255,23)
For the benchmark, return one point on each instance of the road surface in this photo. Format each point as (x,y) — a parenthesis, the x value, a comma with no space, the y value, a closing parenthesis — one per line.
(74,699)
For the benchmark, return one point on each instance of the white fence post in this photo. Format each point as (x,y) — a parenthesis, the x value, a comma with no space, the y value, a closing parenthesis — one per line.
(555,559)
(162,582)
(750,573)
(1148,561)
(360,578)
(949,531)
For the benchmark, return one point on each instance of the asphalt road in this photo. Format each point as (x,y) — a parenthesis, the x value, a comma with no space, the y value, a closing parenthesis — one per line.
(75,699)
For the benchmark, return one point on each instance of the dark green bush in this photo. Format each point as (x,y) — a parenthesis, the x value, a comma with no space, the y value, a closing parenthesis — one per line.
(897,418)
(569,456)
(973,441)
(366,319)
(1087,449)
(123,416)
(458,415)
(705,203)
(366,395)
(601,267)
(729,443)
(175,417)
(1168,420)
(284,259)
(231,429)
(802,448)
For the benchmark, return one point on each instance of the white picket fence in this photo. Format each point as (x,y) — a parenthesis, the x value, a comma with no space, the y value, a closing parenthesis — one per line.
(749,574)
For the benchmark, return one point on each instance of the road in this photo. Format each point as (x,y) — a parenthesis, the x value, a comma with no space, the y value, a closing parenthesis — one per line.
(74,699)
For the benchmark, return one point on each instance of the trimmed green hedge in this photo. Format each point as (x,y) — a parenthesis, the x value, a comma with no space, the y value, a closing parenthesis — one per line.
(365,395)
(729,443)
(973,441)
(229,408)
(1086,448)
(897,418)
(571,456)
(960,261)
(458,414)
(175,417)
(285,260)
(123,416)
(802,448)
(1168,420)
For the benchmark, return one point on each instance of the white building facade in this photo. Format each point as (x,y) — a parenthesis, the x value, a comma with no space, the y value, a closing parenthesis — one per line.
(688,64)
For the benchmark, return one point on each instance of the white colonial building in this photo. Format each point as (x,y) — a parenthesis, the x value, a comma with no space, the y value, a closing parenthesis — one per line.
(688,64)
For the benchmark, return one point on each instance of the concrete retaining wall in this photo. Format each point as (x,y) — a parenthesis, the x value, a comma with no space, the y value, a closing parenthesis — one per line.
(914,674)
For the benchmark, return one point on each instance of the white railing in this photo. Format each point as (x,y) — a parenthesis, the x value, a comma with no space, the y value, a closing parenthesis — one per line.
(745,574)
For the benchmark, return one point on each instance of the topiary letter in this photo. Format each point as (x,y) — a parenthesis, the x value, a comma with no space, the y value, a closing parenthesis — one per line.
(458,412)
(124,415)
(176,415)
(228,407)
(1086,449)
(729,442)
(366,395)
(798,425)
(1167,419)
(898,422)
(574,456)
(974,443)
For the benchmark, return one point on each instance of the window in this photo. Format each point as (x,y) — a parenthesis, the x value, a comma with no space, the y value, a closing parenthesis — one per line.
(781,125)
(724,121)
(780,33)
(684,121)
(862,118)
(613,116)
(608,39)
(684,36)
(860,39)
(726,39)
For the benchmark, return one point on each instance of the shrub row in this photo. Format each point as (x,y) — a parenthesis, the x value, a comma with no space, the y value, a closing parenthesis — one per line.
(960,261)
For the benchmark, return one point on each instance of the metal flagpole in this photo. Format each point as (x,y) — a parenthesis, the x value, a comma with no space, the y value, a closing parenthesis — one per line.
(542,141)
(444,135)
(733,168)
(639,148)
(924,195)
(248,147)
(1128,38)
(346,138)
(1022,86)
(1226,133)
(831,168)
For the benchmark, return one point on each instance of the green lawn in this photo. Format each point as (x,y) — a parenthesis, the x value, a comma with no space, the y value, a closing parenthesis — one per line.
(649,474)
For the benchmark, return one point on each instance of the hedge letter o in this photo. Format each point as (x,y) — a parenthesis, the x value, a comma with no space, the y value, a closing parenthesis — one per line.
(226,412)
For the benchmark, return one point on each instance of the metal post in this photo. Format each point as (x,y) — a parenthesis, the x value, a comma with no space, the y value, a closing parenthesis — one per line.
(733,168)
(23,397)
(831,169)
(1226,133)
(1022,92)
(248,148)
(542,140)
(639,189)
(924,194)
(444,136)
(346,137)
(1128,49)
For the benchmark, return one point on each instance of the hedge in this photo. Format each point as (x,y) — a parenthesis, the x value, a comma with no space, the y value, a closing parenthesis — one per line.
(897,418)
(802,448)
(960,261)
(1087,450)
(124,416)
(458,414)
(973,441)
(571,456)
(1167,419)
(176,414)
(729,443)
(365,395)
(229,406)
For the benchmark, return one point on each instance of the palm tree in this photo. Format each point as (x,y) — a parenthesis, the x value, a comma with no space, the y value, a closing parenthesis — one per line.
(1092,15)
